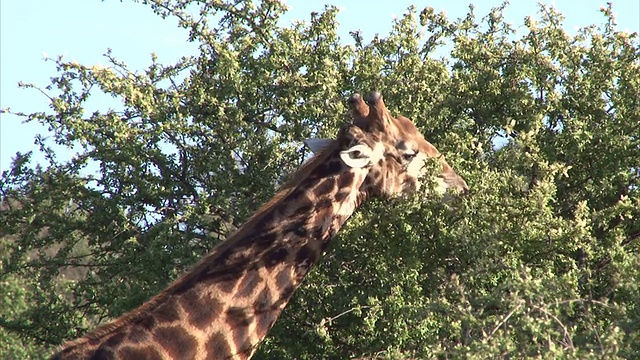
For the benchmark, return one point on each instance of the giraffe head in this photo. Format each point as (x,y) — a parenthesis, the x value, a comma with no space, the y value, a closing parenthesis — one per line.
(391,148)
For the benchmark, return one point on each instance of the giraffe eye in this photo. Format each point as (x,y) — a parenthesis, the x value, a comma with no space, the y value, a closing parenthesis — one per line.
(355,154)
(409,155)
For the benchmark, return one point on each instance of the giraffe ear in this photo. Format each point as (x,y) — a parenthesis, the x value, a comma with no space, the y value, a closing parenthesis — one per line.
(317,145)
(357,156)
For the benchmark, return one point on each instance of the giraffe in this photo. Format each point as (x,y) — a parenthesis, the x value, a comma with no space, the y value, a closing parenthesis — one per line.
(224,307)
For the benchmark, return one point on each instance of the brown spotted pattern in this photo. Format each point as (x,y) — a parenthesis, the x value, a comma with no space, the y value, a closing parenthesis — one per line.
(225,306)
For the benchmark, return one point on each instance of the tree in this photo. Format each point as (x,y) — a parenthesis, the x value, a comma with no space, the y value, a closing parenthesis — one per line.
(539,260)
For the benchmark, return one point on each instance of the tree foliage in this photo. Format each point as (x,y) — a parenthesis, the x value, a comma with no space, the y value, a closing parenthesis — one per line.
(540,260)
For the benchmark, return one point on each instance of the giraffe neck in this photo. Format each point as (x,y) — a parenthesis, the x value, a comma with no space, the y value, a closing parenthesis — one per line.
(225,306)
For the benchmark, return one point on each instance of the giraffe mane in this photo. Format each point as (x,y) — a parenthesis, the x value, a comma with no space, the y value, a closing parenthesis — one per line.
(295,179)
(305,169)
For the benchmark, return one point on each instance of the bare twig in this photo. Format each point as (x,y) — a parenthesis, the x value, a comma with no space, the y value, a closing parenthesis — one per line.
(504,319)
(329,320)
(566,335)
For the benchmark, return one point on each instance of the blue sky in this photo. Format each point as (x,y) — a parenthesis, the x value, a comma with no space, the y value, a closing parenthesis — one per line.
(83,30)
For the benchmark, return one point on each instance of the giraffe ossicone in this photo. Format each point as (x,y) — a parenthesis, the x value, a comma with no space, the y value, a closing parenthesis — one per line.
(224,307)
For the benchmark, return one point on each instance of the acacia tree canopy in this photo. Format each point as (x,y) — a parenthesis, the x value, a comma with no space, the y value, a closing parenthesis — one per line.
(539,260)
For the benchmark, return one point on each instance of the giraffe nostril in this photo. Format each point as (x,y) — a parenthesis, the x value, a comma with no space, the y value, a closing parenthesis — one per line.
(459,183)
(452,179)
(464,190)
